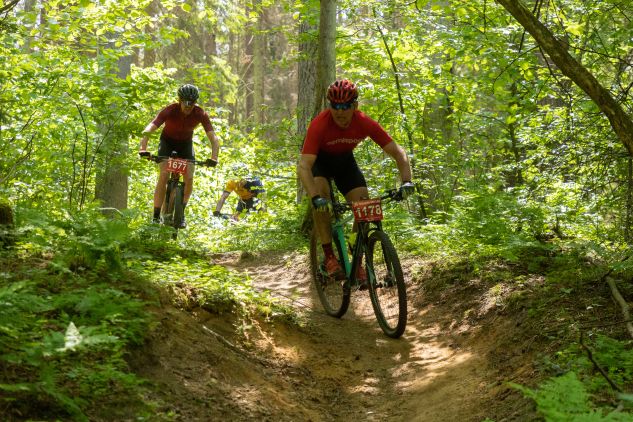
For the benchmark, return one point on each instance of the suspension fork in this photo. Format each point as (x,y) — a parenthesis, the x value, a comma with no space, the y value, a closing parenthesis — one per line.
(338,236)
(362,232)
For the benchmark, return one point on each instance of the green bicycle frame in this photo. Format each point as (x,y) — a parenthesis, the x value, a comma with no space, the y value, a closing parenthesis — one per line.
(338,234)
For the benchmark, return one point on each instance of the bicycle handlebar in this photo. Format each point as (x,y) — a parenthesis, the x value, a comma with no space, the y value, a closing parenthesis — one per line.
(161,158)
(391,195)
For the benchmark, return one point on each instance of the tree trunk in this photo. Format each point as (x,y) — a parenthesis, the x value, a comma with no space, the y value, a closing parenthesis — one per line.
(111,186)
(7,229)
(149,54)
(326,66)
(259,63)
(306,93)
(620,121)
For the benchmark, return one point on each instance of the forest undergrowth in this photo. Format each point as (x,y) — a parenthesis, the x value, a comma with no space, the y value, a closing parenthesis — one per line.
(81,296)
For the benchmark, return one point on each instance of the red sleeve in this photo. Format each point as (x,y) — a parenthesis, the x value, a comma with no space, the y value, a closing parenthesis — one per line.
(314,134)
(162,116)
(205,121)
(377,133)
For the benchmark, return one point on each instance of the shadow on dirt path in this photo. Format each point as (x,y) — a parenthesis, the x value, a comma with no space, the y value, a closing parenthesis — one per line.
(432,373)
(332,369)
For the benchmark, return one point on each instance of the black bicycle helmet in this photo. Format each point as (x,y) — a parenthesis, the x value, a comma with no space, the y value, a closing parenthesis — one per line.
(188,92)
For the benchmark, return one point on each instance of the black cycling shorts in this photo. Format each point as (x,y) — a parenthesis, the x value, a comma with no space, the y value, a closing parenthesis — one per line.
(248,204)
(183,149)
(343,169)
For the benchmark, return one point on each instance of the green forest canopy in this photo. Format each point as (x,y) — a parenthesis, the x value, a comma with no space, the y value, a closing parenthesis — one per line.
(480,107)
(516,116)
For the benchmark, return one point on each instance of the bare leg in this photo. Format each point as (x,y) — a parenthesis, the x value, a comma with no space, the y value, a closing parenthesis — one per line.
(322,219)
(159,191)
(189,182)
(357,194)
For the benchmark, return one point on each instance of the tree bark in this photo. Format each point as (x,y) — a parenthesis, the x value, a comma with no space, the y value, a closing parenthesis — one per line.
(306,93)
(624,306)
(326,67)
(259,63)
(570,67)
(111,186)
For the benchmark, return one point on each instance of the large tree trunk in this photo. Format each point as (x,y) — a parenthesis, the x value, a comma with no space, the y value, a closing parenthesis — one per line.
(620,121)
(7,229)
(149,54)
(112,184)
(326,67)
(308,51)
(259,63)
(306,93)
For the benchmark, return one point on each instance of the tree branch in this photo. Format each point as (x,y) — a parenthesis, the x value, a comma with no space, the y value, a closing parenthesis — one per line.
(624,306)
(7,7)
(620,121)
(598,367)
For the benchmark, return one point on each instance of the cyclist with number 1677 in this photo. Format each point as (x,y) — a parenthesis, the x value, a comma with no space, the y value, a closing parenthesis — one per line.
(180,120)
(328,154)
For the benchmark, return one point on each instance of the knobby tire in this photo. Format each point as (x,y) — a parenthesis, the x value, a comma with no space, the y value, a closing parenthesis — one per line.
(386,288)
(333,294)
(168,205)
(179,211)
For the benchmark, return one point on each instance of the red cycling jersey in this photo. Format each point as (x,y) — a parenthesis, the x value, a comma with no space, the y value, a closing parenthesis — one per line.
(325,135)
(178,126)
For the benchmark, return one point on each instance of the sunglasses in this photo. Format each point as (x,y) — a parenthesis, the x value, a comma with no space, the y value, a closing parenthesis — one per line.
(188,103)
(342,106)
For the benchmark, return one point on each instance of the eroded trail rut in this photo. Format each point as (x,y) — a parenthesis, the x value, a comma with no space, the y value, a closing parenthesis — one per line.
(444,368)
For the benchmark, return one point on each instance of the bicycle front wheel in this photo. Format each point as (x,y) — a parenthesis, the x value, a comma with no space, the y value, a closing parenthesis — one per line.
(386,284)
(179,212)
(333,294)
(167,211)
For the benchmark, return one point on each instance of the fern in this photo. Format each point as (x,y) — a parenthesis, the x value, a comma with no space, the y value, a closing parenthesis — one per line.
(565,398)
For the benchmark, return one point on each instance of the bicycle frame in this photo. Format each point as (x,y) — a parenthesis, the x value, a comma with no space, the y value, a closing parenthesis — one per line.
(363,230)
(373,248)
(176,167)
(173,182)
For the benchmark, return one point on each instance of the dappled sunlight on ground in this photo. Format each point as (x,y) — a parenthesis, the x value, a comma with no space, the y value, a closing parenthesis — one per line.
(330,369)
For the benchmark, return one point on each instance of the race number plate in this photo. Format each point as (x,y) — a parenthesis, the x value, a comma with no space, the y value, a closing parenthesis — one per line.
(177,165)
(367,210)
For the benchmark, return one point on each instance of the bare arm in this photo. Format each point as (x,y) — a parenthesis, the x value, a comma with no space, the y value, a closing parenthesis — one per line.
(220,204)
(215,144)
(304,171)
(150,128)
(402,160)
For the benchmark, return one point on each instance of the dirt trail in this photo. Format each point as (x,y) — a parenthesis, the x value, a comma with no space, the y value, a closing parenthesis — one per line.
(448,366)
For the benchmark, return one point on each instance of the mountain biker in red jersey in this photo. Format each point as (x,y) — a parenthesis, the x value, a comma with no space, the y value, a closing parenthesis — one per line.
(328,153)
(180,120)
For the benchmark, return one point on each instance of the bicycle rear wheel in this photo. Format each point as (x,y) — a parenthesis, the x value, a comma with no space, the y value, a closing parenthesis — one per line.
(386,284)
(334,294)
(179,211)
(167,212)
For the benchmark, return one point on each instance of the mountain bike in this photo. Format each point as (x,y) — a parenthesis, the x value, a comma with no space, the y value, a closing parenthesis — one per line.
(172,211)
(385,280)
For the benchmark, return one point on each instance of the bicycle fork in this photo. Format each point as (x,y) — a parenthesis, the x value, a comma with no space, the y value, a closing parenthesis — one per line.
(351,266)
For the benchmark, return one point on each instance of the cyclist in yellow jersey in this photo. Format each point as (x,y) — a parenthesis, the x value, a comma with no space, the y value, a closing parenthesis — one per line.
(247,189)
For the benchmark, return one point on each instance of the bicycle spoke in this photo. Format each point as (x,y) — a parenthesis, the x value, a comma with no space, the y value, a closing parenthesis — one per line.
(333,294)
(387,289)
